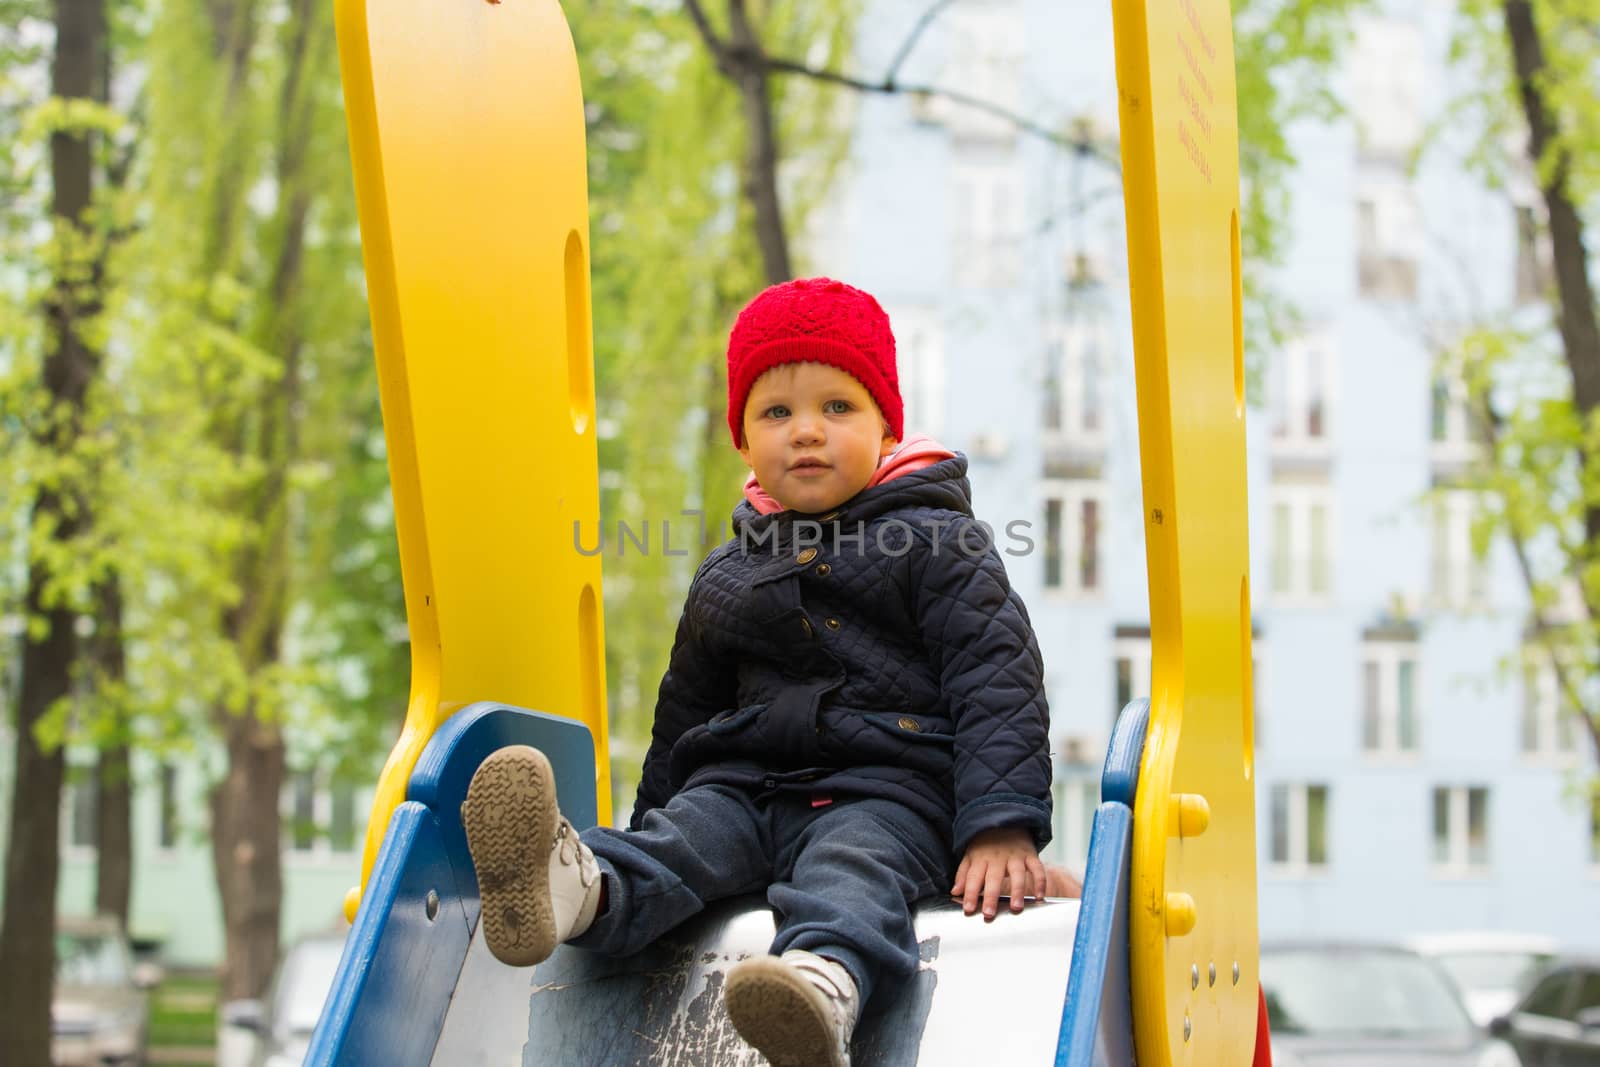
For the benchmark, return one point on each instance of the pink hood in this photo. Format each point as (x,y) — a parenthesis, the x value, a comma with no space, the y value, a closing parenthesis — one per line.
(915,452)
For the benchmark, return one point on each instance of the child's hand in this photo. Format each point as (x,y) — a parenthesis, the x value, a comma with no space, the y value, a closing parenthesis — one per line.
(993,857)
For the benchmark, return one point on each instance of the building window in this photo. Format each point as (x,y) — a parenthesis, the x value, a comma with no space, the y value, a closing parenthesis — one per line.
(1455,433)
(1301,542)
(1387,85)
(1460,575)
(987,48)
(988,224)
(1300,388)
(1076,797)
(1390,719)
(1077,354)
(1130,666)
(1594,830)
(342,818)
(1300,828)
(84,798)
(321,818)
(167,832)
(1533,262)
(1388,239)
(303,812)
(919,346)
(1549,721)
(1461,829)
(1074,513)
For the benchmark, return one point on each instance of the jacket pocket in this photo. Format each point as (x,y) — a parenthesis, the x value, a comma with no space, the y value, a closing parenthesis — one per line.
(912,729)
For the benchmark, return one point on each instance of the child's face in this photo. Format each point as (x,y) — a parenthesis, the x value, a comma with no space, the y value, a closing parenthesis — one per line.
(813,436)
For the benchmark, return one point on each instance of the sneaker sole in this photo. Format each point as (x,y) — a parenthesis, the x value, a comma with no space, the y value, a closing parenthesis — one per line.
(510,817)
(778,1013)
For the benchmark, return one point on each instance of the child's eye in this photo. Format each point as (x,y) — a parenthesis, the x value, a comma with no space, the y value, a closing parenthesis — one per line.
(837,407)
(777,411)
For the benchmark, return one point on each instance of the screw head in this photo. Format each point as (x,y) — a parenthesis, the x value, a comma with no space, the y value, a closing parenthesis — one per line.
(1194,977)
(1188,1027)
(1212,974)
(431,905)
(1235,972)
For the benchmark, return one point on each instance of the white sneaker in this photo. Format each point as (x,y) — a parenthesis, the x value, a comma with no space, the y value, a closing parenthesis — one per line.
(538,883)
(797,1010)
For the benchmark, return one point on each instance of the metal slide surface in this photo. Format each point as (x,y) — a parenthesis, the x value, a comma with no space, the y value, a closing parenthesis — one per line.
(976,982)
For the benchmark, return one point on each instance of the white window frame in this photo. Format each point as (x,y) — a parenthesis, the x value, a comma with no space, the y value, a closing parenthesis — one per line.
(1387,656)
(1305,372)
(919,345)
(1076,795)
(1301,499)
(986,59)
(71,795)
(321,852)
(1387,86)
(1459,579)
(1297,863)
(1077,359)
(987,223)
(164,850)
(1460,442)
(1072,493)
(1140,657)
(1458,862)
(1554,730)
(1396,229)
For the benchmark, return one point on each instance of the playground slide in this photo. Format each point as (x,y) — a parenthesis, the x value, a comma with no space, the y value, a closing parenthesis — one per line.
(467,137)
(415,987)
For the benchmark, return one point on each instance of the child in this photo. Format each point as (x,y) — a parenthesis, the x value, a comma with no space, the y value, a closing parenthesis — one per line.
(854,698)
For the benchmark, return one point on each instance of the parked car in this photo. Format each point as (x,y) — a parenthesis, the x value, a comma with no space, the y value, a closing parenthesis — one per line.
(100,1011)
(1355,1005)
(1492,969)
(281,1027)
(1557,1022)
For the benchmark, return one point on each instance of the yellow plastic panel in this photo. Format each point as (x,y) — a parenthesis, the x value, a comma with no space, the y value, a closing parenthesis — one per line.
(1194,874)
(467,135)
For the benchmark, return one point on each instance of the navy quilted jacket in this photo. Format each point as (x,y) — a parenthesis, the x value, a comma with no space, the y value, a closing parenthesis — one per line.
(899,665)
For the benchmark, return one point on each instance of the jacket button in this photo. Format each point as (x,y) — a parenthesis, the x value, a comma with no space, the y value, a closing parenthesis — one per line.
(806,556)
(805,624)
(823,570)
(833,624)
(769,783)
(910,724)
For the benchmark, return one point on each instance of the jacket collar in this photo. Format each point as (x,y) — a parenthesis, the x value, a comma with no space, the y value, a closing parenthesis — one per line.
(944,485)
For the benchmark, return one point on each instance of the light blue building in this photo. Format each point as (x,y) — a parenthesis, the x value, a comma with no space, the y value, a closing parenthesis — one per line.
(1412,776)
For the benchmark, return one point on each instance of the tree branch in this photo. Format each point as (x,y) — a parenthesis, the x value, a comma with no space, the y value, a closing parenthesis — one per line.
(733,59)
(910,42)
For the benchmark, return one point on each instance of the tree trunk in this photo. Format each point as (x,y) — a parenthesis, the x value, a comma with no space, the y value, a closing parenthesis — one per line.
(753,80)
(113,824)
(246,836)
(27,928)
(1576,320)
(247,825)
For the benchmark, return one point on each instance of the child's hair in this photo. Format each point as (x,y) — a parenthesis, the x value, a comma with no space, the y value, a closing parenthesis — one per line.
(815,320)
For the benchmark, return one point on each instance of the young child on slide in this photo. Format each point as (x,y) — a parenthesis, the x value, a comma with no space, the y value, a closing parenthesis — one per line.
(854,699)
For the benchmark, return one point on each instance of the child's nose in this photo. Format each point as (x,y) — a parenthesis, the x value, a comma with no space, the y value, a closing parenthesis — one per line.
(807,428)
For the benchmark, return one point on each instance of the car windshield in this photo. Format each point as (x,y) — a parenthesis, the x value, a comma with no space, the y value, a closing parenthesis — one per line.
(90,960)
(307,977)
(1342,992)
(1491,970)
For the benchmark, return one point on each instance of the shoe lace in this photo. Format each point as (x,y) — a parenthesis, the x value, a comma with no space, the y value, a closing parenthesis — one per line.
(570,847)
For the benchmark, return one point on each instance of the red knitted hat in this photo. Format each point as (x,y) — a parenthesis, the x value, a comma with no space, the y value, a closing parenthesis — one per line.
(813,320)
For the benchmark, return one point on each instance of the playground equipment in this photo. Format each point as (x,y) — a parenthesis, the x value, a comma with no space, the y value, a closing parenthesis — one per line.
(467,133)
